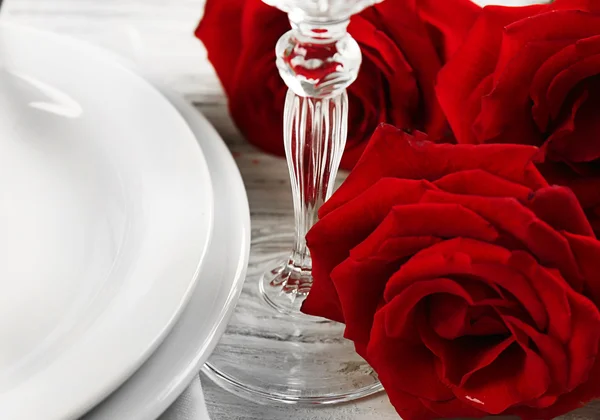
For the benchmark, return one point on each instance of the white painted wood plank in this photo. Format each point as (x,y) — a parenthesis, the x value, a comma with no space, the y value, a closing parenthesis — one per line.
(155,34)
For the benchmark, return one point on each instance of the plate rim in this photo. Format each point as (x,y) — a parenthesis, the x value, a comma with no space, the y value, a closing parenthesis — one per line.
(120,403)
(64,406)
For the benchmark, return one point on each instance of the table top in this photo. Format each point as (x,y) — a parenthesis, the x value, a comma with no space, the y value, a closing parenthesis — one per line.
(158,36)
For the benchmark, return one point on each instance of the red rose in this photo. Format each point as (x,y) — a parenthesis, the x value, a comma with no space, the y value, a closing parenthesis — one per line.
(468,283)
(532,75)
(404,44)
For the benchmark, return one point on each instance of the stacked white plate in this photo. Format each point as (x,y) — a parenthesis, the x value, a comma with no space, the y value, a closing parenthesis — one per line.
(124,235)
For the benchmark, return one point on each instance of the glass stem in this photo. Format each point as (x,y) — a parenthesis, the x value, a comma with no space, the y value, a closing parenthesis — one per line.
(315,132)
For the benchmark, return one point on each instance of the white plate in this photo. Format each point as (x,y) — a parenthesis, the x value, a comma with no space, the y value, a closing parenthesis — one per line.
(170,369)
(105,216)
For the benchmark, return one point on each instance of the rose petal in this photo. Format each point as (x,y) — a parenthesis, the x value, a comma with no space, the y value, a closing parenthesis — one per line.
(576,139)
(405,49)
(486,323)
(249,118)
(549,25)
(366,102)
(323,301)
(453,408)
(472,107)
(585,186)
(383,50)
(389,357)
(479,182)
(553,204)
(557,142)
(587,254)
(366,210)
(550,349)
(552,25)
(565,80)
(543,402)
(587,190)
(453,256)
(552,290)
(439,220)
(384,53)
(517,375)
(541,28)
(409,32)
(480,290)
(413,159)
(560,209)
(567,402)
(576,323)
(582,365)
(475,60)
(330,240)
(584,45)
(583,5)
(506,111)
(470,261)
(448,315)
(594,218)
(583,345)
(455,30)
(458,359)
(517,285)
(413,294)
(508,215)
(359,285)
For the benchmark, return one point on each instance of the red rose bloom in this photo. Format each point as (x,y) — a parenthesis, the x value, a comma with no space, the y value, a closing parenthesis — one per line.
(469,284)
(532,75)
(404,45)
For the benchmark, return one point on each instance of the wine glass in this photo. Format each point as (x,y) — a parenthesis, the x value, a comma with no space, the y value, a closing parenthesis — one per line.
(271,351)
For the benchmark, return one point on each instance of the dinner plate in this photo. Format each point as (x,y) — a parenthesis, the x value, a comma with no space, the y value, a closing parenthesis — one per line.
(157,384)
(106,210)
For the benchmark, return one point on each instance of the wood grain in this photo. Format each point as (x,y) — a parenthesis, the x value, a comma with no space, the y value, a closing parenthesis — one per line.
(157,36)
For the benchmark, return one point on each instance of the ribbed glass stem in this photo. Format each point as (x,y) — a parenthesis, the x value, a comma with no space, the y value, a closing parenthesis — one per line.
(317,59)
(314,138)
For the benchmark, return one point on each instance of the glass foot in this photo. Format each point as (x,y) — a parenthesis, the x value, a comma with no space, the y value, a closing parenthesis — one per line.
(285,287)
(271,352)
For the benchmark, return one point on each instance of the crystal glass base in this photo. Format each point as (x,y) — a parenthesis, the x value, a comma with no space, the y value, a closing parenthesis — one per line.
(273,353)
(285,286)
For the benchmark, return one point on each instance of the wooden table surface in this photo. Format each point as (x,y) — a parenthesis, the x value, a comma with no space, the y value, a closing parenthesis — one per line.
(157,36)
